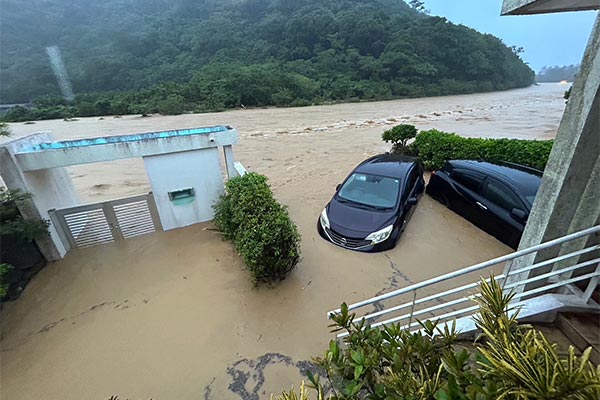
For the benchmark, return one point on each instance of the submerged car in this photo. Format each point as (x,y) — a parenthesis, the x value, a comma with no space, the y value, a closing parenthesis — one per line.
(495,197)
(371,208)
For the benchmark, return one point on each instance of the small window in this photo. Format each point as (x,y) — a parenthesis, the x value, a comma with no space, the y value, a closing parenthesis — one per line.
(181,194)
(470,180)
(501,195)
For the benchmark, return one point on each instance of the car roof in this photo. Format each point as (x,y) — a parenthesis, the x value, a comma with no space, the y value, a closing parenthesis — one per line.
(392,165)
(519,176)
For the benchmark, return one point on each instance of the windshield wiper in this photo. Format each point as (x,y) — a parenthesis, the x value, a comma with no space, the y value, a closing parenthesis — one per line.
(362,205)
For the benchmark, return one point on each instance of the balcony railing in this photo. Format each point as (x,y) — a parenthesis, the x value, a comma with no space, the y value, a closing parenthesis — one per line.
(450,296)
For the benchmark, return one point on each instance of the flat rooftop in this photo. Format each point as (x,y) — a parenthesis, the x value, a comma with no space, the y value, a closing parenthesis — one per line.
(135,137)
(36,153)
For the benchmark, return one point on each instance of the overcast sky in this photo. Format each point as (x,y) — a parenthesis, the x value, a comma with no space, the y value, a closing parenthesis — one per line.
(548,39)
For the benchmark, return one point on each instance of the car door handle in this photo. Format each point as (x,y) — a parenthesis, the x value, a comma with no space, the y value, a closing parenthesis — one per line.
(481,205)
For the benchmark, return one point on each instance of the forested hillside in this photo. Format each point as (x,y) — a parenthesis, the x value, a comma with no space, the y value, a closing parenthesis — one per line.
(557,74)
(170,56)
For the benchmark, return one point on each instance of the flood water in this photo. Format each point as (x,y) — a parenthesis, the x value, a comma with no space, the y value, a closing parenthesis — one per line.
(173,315)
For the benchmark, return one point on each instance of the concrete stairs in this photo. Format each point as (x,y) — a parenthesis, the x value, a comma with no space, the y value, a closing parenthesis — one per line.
(583,331)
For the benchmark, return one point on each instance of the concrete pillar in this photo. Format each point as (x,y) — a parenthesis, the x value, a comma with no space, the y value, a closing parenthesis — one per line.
(229,162)
(185,185)
(569,197)
(50,188)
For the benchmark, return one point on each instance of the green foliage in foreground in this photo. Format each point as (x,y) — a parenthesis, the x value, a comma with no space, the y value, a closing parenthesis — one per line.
(399,137)
(260,227)
(127,56)
(509,361)
(434,148)
(12,222)
(4,269)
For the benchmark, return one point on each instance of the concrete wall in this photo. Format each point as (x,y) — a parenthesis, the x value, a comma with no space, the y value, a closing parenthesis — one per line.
(198,169)
(569,197)
(50,188)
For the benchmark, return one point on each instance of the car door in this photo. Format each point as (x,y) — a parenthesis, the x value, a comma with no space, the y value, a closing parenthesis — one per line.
(499,200)
(466,198)
(413,188)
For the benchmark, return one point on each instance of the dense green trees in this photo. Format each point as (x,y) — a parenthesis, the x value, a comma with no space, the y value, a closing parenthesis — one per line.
(557,74)
(134,56)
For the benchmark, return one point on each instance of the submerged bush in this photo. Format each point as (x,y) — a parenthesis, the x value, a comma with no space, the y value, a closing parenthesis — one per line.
(509,361)
(4,270)
(399,137)
(260,227)
(18,231)
(434,148)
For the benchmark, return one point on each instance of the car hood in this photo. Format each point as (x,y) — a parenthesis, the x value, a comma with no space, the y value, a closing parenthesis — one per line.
(357,222)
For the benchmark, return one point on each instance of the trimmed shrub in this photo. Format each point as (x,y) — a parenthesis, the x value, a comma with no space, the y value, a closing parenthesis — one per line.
(260,228)
(434,148)
(399,137)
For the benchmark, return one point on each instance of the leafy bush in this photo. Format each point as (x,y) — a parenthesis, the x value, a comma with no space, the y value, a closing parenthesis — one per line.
(11,220)
(4,129)
(509,361)
(260,227)
(4,269)
(14,226)
(399,137)
(292,395)
(434,148)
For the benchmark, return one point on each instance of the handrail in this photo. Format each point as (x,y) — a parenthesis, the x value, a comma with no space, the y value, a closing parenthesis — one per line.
(473,268)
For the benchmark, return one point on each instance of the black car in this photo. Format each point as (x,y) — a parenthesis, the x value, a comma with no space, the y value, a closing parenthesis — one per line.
(495,197)
(371,207)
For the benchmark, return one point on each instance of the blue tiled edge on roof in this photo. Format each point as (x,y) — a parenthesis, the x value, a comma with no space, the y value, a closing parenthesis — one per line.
(126,138)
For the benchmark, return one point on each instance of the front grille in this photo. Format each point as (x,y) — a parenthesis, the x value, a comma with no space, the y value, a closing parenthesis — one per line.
(348,243)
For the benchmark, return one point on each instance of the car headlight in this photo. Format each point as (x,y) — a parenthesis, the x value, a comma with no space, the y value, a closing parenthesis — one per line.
(324,220)
(381,235)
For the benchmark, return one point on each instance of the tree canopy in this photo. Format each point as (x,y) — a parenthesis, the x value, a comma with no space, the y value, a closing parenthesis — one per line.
(557,74)
(195,55)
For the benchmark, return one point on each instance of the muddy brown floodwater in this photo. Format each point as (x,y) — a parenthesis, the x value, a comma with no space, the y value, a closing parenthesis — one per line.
(173,315)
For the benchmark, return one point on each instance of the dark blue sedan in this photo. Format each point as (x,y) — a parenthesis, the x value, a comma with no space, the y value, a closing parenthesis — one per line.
(371,208)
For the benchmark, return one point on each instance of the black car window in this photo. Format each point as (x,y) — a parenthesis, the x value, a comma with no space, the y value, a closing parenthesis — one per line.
(469,179)
(410,183)
(501,195)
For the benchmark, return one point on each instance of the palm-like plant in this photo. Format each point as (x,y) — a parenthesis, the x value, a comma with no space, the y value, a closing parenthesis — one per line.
(510,361)
(521,359)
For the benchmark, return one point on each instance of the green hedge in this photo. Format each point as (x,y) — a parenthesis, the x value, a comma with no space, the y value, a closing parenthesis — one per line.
(260,227)
(434,148)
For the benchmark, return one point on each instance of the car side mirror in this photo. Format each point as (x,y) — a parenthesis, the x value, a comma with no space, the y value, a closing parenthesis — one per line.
(519,214)
(339,185)
(412,201)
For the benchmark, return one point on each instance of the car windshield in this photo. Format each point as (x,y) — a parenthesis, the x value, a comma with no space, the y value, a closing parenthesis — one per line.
(370,190)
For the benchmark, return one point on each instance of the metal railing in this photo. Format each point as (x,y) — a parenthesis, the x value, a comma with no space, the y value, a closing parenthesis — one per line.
(450,295)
